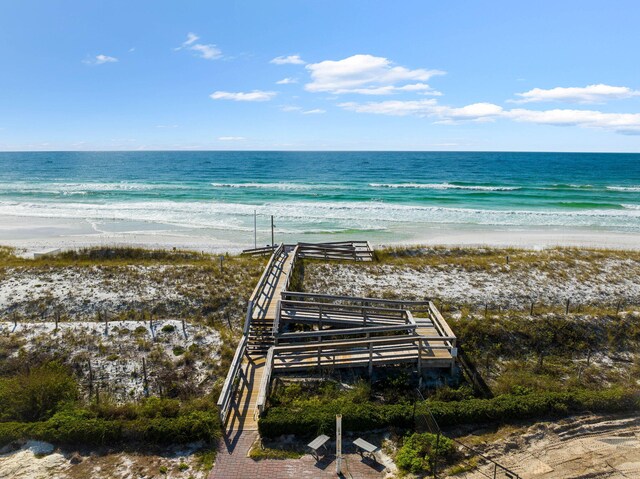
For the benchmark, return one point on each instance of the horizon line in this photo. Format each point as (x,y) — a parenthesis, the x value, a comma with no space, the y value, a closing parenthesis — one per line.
(319,151)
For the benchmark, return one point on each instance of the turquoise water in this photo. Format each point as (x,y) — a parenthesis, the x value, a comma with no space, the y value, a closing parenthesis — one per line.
(385,194)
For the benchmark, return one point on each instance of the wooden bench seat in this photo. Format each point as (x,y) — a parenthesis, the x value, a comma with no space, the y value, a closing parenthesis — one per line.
(317,443)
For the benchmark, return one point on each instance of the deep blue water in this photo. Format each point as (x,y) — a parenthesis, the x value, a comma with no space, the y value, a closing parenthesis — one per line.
(326,192)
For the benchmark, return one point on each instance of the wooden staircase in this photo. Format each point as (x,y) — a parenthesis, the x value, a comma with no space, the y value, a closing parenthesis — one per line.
(260,336)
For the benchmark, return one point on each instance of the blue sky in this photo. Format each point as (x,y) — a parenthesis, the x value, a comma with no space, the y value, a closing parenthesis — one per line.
(320,75)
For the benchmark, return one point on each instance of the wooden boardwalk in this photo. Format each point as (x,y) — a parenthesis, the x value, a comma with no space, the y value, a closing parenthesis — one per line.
(243,414)
(290,332)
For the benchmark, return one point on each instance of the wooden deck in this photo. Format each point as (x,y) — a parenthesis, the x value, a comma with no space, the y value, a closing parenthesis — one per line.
(242,414)
(290,332)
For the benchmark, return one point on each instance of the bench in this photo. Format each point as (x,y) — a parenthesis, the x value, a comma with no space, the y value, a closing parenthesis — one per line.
(365,447)
(317,443)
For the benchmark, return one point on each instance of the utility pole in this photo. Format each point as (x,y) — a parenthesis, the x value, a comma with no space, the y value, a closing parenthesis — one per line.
(273,243)
(255,229)
(338,444)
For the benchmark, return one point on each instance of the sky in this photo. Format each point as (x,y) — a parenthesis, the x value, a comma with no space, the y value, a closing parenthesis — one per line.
(474,75)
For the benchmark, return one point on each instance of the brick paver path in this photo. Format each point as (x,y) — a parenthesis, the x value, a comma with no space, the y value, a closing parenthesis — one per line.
(232,463)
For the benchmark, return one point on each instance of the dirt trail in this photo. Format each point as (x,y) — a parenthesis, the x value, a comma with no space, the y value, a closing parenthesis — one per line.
(584,447)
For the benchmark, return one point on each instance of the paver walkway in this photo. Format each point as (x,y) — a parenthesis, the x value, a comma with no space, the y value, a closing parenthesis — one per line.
(232,463)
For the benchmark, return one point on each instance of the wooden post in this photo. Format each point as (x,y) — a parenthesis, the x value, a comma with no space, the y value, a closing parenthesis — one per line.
(420,357)
(507,259)
(56,318)
(370,359)
(567,308)
(106,323)
(531,310)
(145,384)
(90,380)
(339,444)
(486,310)
(15,320)
(221,260)
(184,329)
(153,335)
(618,306)
(435,458)
(273,242)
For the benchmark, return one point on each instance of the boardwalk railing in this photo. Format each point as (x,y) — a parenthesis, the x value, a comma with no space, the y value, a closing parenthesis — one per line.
(339,250)
(229,386)
(263,393)
(419,306)
(230,382)
(264,250)
(307,311)
(360,352)
(441,326)
(268,279)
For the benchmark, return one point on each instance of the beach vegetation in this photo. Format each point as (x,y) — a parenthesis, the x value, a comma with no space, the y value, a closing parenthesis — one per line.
(276,451)
(168,328)
(308,417)
(44,403)
(418,450)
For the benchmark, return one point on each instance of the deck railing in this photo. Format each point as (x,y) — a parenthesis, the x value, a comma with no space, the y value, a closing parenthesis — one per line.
(361,352)
(268,279)
(263,392)
(359,300)
(350,250)
(230,383)
(264,250)
(229,386)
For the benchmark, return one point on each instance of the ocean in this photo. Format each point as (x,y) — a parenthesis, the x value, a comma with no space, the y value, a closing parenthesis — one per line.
(387,197)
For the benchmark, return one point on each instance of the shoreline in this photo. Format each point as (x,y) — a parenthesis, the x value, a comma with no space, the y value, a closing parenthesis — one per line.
(34,234)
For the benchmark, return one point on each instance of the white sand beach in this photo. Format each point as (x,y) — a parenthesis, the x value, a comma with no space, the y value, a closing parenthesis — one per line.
(34,234)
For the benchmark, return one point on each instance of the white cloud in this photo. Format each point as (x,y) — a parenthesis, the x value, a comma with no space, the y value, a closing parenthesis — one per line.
(298,109)
(207,51)
(288,60)
(473,112)
(100,60)
(231,138)
(191,38)
(287,81)
(626,123)
(430,108)
(589,94)
(255,95)
(366,74)
(393,107)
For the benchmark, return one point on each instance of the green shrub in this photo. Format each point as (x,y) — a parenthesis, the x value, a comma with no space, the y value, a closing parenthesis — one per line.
(37,394)
(157,407)
(418,451)
(168,328)
(81,427)
(308,418)
(178,351)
